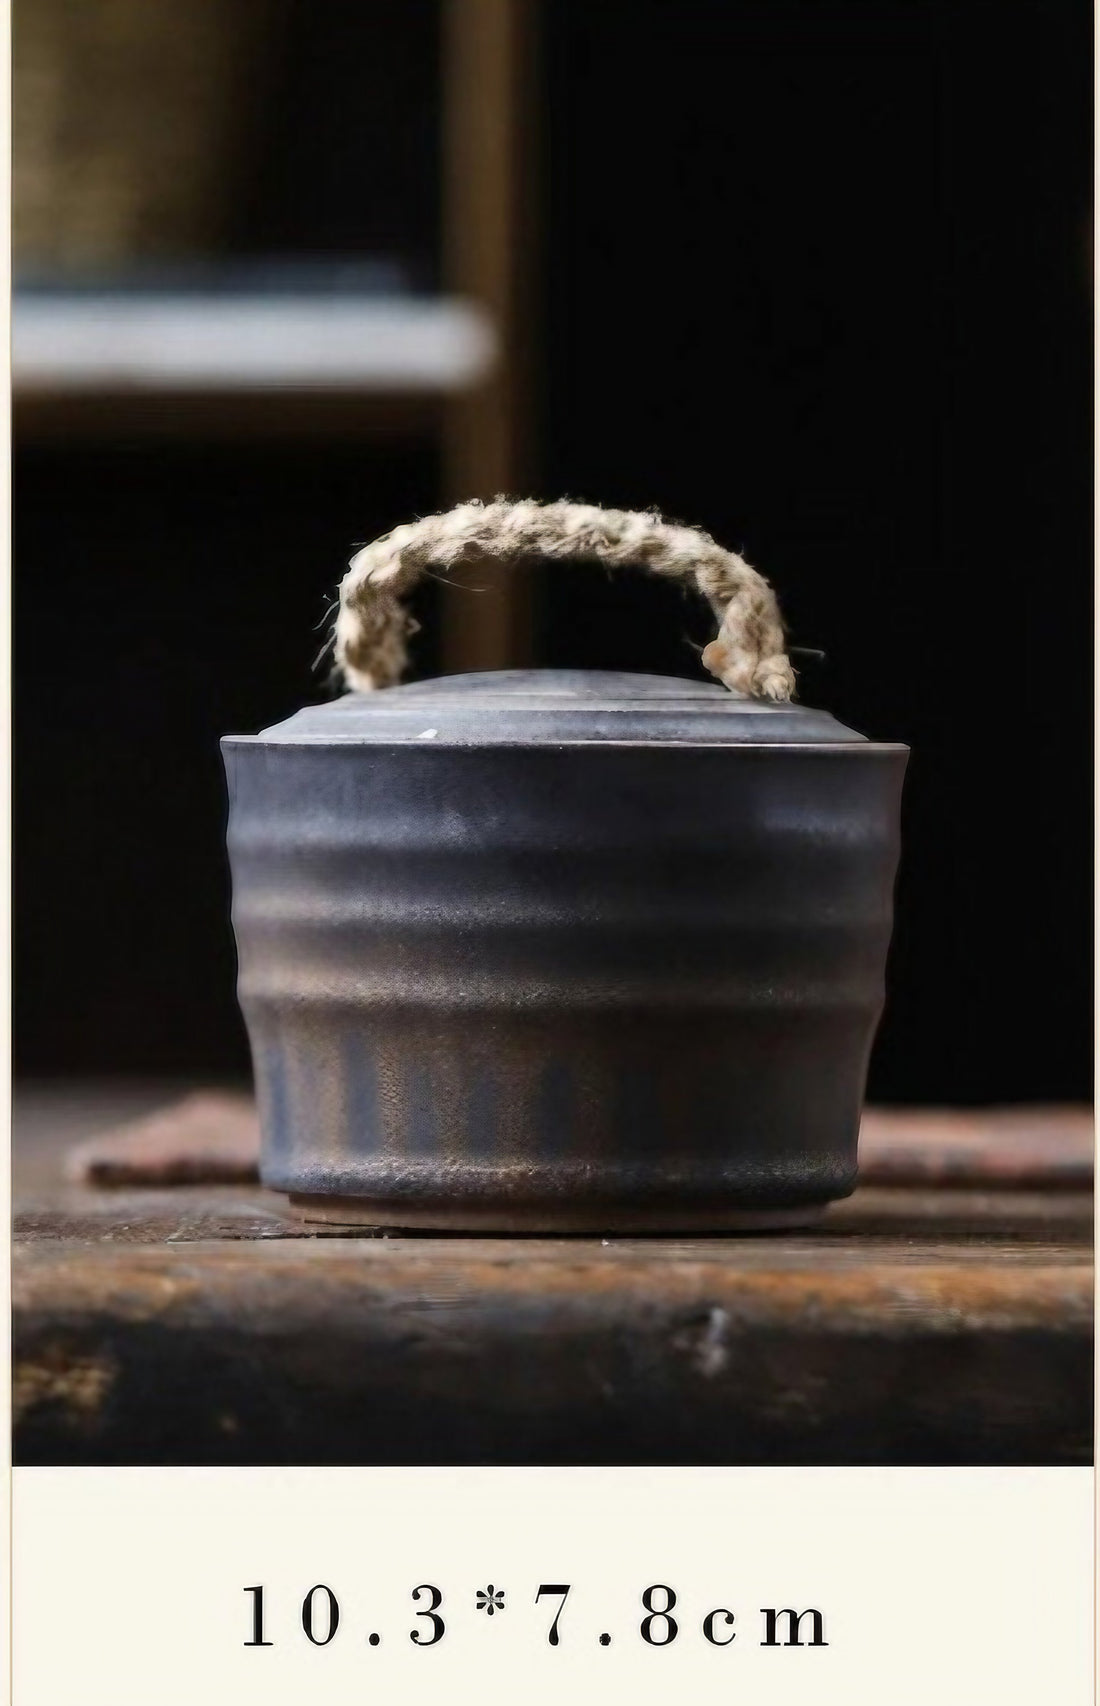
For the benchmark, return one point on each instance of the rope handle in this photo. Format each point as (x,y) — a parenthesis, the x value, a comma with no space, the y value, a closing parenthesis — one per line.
(372,625)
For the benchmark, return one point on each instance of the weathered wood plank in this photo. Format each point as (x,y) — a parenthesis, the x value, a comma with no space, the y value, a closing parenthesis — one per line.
(205,1326)
(203,1323)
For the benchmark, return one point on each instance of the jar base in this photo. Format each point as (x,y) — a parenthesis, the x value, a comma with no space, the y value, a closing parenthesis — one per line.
(577,1219)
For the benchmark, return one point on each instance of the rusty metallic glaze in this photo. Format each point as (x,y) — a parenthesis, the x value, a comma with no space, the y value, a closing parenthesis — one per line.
(562,951)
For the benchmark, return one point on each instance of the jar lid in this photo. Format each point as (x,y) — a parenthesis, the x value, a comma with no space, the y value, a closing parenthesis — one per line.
(559,707)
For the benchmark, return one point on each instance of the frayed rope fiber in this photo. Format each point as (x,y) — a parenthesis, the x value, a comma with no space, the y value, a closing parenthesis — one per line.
(748,653)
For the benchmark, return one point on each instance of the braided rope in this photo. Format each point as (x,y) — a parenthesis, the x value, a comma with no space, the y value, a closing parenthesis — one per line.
(372,625)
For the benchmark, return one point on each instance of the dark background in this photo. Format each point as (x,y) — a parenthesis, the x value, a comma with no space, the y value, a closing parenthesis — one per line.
(815,276)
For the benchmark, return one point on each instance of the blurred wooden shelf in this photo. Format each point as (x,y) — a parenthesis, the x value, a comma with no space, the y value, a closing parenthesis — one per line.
(129,365)
(110,361)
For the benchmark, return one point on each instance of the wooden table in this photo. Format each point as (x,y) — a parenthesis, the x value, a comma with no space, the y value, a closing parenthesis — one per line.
(204,1324)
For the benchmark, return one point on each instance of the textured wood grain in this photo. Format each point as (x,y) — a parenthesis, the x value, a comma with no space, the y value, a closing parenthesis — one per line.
(170,1322)
(200,1325)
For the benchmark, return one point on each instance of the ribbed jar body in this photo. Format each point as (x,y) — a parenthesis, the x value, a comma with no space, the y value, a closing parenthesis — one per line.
(562,987)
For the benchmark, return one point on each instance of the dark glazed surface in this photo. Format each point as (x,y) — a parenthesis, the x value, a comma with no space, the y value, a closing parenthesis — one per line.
(545,987)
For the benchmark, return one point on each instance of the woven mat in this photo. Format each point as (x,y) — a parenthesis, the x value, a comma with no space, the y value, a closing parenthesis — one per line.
(213,1138)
